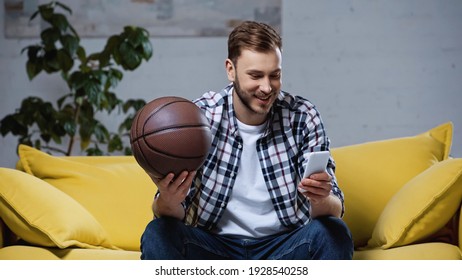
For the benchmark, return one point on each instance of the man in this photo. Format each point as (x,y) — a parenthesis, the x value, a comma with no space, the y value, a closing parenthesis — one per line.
(249,200)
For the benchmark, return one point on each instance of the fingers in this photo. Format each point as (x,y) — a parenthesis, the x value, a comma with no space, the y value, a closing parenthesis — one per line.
(172,184)
(317,186)
(314,191)
(320,180)
(327,185)
(323,176)
(186,183)
(162,182)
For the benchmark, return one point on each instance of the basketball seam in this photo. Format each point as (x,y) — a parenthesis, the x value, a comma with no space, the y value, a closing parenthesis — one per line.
(163,106)
(169,154)
(170,128)
(150,116)
(146,158)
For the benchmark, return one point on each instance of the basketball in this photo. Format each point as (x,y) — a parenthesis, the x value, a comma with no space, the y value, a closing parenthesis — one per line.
(170,134)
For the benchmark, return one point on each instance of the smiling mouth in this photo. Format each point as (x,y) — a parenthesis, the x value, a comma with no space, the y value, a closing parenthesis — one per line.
(264,98)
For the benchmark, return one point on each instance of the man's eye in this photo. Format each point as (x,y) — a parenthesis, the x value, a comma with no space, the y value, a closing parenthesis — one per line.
(275,76)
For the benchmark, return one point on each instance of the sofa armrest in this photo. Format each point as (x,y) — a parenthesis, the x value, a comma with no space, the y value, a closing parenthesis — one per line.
(459,229)
(2,233)
(7,237)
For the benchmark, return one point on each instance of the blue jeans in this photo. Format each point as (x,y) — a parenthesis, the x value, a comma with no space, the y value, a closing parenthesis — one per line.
(170,239)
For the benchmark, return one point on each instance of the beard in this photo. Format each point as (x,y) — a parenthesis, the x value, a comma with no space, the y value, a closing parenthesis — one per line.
(246,98)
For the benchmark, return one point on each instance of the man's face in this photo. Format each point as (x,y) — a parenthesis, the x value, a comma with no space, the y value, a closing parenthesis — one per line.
(257,81)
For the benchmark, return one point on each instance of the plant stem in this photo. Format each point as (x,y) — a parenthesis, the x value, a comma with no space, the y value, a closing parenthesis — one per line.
(54,149)
(76,120)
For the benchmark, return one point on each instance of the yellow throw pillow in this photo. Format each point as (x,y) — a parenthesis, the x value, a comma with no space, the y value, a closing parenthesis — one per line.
(422,207)
(40,214)
(371,173)
(115,190)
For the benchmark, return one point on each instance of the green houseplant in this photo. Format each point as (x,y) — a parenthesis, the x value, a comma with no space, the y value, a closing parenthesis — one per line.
(90,79)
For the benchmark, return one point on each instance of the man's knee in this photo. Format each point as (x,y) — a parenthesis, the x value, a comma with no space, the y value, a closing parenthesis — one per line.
(164,223)
(333,224)
(162,228)
(159,234)
(334,233)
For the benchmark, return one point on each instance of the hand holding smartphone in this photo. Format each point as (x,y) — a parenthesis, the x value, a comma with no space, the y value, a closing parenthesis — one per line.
(317,162)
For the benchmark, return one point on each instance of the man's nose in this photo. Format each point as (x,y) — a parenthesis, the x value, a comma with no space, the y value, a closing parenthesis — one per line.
(265,86)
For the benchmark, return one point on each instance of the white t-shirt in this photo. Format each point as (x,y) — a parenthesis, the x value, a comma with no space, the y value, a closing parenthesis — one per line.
(250,212)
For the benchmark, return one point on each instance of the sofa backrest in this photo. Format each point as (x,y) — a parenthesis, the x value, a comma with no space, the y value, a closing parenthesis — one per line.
(114,189)
(371,173)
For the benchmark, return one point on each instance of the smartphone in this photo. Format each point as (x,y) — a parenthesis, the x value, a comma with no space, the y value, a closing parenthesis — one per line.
(317,162)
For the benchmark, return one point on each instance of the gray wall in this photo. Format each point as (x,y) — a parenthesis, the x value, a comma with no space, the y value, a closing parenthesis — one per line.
(376,69)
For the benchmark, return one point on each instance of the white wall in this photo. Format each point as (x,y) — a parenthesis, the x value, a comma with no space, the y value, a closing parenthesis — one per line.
(375,69)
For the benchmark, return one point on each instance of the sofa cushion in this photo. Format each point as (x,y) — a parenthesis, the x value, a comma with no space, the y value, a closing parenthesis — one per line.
(371,173)
(423,206)
(42,215)
(114,189)
(424,251)
(19,252)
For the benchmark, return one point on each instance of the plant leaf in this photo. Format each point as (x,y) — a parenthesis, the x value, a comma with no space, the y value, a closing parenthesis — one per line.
(136,104)
(85,132)
(46,11)
(63,6)
(147,49)
(61,100)
(70,44)
(77,80)
(130,58)
(49,36)
(115,144)
(59,21)
(11,124)
(33,15)
(65,60)
(33,69)
(92,91)
(82,55)
(126,124)
(50,61)
(94,151)
(101,133)
(70,127)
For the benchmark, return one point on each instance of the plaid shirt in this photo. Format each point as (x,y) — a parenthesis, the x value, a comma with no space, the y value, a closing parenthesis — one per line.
(294,129)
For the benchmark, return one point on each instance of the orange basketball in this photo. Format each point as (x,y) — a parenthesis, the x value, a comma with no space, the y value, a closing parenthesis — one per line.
(170,134)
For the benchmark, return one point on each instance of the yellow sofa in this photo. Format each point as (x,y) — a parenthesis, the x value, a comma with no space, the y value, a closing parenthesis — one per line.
(403,201)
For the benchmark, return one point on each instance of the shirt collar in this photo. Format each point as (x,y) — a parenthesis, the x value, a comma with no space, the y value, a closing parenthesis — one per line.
(233,128)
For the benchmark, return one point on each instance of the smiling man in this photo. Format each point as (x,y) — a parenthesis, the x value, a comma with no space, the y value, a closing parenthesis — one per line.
(249,200)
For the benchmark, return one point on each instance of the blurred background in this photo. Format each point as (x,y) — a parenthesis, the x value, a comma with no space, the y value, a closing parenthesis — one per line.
(376,69)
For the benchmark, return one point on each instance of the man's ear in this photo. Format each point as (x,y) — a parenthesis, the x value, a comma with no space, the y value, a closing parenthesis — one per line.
(230,70)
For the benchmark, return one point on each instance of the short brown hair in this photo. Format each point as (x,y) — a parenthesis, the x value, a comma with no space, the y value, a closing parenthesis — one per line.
(254,36)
